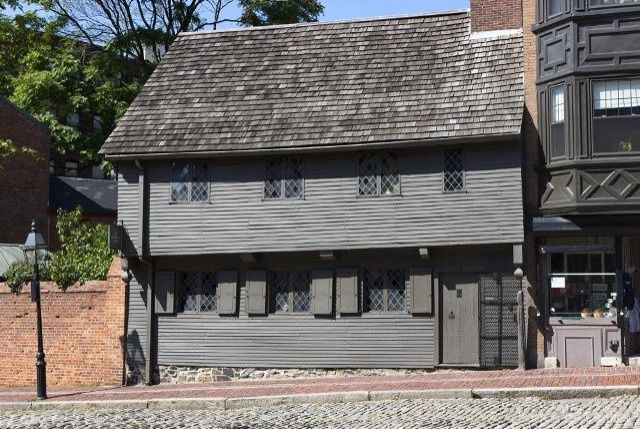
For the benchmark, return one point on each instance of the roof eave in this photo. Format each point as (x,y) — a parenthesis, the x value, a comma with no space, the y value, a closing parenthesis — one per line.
(491,138)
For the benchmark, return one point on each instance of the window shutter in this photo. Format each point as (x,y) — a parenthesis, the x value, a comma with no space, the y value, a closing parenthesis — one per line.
(421,291)
(256,286)
(227,292)
(165,291)
(322,292)
(347,285)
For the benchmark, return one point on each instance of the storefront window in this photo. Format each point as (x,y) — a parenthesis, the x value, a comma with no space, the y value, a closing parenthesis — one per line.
(582,285)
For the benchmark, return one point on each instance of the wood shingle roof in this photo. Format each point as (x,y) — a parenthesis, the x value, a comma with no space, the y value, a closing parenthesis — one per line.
(414,78)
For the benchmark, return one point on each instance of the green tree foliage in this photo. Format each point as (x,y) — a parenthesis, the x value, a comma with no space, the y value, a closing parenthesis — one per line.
(52,77)
(84,252)
(266,12)
(8,148)
(18,275)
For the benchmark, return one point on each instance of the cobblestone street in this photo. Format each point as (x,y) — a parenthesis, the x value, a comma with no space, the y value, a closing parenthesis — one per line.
(621,412)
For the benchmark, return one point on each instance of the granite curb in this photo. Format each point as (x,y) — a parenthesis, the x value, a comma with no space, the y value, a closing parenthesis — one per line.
(551,393)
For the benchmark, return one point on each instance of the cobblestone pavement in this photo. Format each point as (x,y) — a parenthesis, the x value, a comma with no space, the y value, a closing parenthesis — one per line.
(454,413)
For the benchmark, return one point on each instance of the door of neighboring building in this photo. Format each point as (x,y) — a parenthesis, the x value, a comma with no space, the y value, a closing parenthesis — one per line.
(459,319)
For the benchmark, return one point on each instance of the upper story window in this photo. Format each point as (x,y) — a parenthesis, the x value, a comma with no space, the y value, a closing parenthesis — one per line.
(616,116)
(555,7)
(453,171)
(198,292)
(612,2)
(290,292)
(189,183)
(71,168)
(378,174)
(284,178)
(557,116)
(384,290)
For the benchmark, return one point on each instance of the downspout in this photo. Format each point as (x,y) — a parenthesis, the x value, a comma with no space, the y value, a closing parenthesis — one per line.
(142,245)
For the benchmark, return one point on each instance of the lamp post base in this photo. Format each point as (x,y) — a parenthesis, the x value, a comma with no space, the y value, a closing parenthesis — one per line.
(41,377)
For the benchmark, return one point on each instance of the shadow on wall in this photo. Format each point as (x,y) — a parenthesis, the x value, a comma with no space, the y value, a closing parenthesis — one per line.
(134,358)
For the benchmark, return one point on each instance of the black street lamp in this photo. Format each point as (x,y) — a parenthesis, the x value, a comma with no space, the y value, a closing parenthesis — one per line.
(32,246)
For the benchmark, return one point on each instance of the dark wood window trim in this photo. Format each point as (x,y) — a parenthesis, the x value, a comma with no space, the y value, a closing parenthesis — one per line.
(289,292)
(284,179)
(189,183)
(379,175)
(384,291)
(198,293)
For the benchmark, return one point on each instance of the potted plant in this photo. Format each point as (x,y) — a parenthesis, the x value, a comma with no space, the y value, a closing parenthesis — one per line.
(598,313)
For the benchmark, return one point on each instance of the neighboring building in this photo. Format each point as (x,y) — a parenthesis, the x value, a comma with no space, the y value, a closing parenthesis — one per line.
(24,178)
(585,223)
(329,195)
(98,199)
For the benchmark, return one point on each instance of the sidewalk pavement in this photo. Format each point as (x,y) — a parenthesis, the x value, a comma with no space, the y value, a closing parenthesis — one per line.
(441,384)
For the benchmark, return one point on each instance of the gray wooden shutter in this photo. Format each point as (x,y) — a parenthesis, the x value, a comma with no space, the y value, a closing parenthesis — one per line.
(227,292)
(421,291)
(256,287)
(322,292)
(165,291)
(347,285)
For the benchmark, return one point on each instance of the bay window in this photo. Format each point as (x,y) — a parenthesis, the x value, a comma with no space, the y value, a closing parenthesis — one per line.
(557,116)
(616,116)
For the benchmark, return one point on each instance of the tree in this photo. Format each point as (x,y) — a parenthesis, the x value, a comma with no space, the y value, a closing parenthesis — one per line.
(265,12)
(52,77)
(136,25)
(84,252)
(8,148)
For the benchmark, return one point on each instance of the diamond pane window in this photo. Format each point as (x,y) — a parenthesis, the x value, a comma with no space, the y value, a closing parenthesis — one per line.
(189,183)
(453,175)
(189,292)
(384,290)
(284,178)
(208,301)
(290,292)
(378,174)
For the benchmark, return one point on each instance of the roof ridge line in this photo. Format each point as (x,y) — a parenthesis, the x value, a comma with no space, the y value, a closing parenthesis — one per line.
(337,21)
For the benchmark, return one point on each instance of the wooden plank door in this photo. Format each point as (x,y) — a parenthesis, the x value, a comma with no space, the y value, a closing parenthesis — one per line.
(459,318)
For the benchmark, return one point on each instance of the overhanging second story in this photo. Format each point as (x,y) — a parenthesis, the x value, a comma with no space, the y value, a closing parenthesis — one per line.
(384,133)
(589,105)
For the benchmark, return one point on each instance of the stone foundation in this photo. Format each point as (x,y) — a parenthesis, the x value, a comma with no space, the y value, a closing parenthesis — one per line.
(181,374)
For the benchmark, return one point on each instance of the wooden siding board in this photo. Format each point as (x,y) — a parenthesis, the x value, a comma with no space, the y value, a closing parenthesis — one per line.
(238,220)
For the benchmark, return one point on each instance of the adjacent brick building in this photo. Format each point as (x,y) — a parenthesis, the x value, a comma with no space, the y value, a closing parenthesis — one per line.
(24,179)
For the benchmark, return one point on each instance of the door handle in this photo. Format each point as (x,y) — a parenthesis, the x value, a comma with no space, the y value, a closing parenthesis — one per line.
(452,316)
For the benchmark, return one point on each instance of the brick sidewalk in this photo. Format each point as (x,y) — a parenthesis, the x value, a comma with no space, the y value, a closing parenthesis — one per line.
(438,380)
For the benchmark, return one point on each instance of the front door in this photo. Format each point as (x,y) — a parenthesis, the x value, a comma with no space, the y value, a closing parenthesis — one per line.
(459,318)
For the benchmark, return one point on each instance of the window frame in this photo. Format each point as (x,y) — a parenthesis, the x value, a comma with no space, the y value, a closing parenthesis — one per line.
(554,15)
(551,110)
(378,156)
(199,291)
(189,182)
(594,119)
(364,288)
(285,162)
(590,5)
(291,288)
(463,171)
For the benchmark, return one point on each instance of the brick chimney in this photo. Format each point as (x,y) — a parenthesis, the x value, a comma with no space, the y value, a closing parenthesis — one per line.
(494,15)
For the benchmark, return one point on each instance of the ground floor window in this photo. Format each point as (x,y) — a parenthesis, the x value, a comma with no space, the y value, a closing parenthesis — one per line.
(582,285)
(198,292)
(290,292)
(384,290)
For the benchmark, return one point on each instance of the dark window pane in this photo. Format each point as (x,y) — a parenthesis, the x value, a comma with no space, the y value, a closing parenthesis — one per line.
(558,144)
(453,175)
(189,292)
(208,300)
(390,174)
(557,263)
(612,2)
(368,174)
(180,183)
(273,179)
(555,6)
(200,183)
(577,263)
(293,178)
(616,134)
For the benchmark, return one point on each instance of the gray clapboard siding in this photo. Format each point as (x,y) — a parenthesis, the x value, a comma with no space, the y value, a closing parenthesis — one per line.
(237,219)
(128,206)
(137,317)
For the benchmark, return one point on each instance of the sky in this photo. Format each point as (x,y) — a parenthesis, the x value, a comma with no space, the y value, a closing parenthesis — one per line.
(349,9)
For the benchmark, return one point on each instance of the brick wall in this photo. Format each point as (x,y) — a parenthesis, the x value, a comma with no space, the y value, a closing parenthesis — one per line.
(491,15)
(83,331)
(24,181)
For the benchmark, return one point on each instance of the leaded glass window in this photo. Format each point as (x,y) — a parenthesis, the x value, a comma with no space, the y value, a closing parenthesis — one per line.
(378,174)
(384,290)
(453,174)
(290,292)
(199,292)
(284,178)
(189,183)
